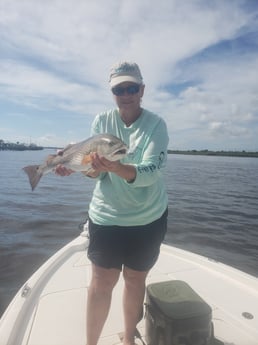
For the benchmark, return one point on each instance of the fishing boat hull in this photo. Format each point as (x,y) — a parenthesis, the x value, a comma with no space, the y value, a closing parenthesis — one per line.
(50,308)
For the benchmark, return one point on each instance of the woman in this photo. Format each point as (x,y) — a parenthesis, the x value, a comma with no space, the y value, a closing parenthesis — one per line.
(128,210)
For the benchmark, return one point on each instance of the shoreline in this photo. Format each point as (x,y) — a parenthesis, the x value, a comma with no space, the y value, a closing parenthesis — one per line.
(33,147)
(215,153)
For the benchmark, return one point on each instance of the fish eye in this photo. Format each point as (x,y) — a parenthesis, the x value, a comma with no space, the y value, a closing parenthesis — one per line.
(111,143)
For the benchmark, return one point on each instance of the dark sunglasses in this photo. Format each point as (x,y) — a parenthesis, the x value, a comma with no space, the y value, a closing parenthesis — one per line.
(131,90)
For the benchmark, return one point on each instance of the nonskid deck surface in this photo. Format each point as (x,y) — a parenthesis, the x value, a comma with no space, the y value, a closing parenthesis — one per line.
(57,310)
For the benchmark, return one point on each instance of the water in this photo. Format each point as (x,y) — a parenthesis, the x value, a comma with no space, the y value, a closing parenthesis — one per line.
(213,211)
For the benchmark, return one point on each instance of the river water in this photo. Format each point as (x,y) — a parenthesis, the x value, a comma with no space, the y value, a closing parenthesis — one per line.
(213,211)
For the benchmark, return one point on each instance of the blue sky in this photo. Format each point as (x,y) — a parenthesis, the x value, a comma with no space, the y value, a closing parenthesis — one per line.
(199,60)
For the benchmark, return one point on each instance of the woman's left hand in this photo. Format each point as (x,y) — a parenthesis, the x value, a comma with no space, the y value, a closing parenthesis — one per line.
(101,164)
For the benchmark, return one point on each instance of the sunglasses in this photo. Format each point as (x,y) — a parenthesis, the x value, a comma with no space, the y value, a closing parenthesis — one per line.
(130,90)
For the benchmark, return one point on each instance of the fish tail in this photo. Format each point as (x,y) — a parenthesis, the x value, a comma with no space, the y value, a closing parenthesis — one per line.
(34,175)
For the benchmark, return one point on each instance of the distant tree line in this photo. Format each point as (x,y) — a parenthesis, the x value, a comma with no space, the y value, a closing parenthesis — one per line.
(22,147)
(215,153)
(18,146)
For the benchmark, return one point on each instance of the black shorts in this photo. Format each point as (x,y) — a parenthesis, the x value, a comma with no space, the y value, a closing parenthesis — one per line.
(136,247)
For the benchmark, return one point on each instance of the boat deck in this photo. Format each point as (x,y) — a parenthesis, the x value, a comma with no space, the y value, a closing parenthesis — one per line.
(52,303)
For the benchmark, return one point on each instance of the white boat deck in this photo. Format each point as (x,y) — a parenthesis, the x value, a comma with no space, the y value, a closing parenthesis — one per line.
(51,307)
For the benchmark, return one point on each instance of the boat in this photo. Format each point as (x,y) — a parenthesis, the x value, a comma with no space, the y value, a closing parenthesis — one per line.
(50,307)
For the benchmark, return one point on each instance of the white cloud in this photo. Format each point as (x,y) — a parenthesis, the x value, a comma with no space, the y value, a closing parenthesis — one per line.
(41,88)
(226,128)
(56,54)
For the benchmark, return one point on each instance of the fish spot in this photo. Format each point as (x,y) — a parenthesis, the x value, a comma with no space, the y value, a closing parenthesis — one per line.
(86,160)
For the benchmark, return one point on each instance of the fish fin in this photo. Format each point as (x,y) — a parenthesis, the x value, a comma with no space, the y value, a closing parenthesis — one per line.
(34,175)
(86,160)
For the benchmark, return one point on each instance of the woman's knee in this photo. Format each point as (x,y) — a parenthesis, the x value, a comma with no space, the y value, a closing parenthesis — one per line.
(104,279)
(134,277)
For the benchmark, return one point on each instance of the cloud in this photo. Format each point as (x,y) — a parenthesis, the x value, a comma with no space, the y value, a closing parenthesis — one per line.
(218,129)
(64,35)
(44,89)
(198,60)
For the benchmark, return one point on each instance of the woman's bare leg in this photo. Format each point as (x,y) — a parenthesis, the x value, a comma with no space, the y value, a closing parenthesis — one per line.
(134,291)
(99,299)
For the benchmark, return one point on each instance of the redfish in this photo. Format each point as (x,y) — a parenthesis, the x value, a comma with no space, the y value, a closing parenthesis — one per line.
(78,156)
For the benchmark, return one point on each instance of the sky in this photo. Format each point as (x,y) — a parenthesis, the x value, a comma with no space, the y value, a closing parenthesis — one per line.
(199,60)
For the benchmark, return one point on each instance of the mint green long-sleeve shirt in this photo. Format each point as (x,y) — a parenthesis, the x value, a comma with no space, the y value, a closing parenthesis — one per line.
(117,202)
